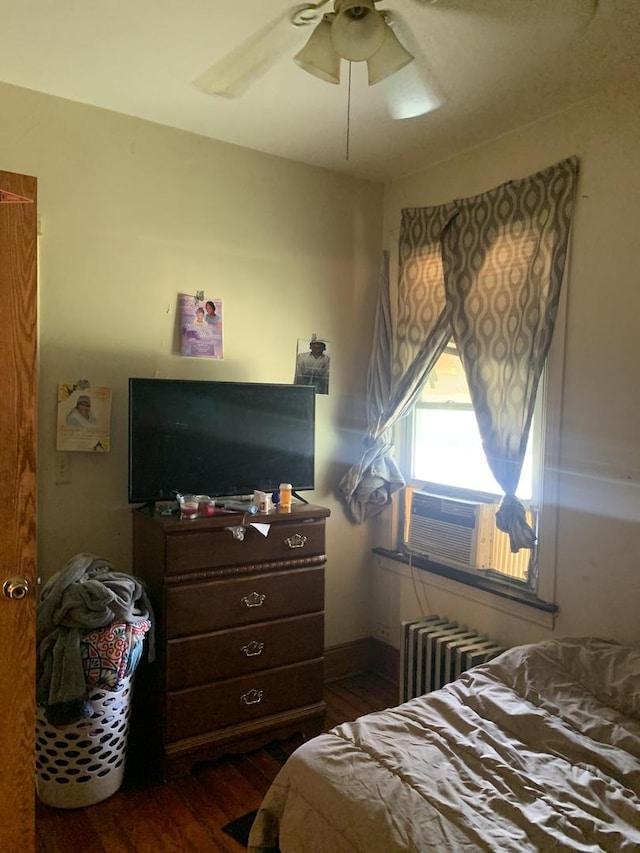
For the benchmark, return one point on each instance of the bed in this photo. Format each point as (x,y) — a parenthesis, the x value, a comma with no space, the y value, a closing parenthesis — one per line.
(537,750)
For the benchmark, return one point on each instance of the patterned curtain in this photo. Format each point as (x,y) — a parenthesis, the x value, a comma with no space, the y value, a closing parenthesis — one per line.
(503,259)
(401,361)
(368,486)
(486,270)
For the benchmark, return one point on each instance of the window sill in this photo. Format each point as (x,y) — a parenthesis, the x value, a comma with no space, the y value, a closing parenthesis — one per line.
(497,588)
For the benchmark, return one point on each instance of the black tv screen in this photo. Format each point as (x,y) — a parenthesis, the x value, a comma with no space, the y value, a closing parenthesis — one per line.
(219,439)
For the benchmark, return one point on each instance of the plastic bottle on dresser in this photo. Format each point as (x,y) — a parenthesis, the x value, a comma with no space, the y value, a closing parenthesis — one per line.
(285,496)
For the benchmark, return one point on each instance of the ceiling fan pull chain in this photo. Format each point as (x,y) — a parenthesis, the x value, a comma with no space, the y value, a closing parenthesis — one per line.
(348,111)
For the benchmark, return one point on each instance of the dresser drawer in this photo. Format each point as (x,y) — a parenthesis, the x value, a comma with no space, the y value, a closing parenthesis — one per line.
(207,549)
(241,700)
(238,651)
(201,608)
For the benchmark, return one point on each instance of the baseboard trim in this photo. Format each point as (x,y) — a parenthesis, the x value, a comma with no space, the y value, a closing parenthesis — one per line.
(366,655)
(346,660)
(384,659)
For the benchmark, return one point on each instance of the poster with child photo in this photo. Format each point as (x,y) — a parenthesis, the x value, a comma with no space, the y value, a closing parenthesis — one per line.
(200,326)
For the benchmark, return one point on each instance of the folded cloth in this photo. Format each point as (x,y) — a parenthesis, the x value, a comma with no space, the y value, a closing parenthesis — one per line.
(86,594)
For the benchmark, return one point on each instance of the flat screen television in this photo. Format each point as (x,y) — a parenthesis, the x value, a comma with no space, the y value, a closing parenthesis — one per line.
(221,439)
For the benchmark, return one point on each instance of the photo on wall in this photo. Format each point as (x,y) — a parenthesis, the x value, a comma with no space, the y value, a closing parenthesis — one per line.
(200,326)
(84,418)
(313,363)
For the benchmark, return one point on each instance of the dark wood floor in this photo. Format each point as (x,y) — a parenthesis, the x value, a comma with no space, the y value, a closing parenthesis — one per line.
(187,815)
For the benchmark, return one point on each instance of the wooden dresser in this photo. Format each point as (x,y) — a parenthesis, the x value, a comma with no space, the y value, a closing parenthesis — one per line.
(239,635)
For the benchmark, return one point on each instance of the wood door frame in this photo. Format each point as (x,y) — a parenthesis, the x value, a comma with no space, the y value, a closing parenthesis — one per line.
(18,375)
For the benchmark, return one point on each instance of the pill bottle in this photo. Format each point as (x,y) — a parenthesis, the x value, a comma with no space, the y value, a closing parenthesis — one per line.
(285,496)
(262,500)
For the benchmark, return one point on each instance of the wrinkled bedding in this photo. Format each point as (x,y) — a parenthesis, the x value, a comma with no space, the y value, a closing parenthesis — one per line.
(537,750)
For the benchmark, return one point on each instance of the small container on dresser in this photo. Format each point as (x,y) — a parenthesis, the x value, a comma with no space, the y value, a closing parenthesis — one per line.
(239,635)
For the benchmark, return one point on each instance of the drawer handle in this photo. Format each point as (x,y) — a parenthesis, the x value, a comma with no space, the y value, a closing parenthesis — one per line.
(252,697)
(253,648)
(296,541)
(255,599)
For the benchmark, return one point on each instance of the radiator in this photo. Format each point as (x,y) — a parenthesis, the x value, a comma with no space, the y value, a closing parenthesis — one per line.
(435,651)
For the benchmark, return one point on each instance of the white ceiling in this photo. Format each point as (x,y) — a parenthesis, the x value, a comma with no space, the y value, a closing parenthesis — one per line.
(498,63)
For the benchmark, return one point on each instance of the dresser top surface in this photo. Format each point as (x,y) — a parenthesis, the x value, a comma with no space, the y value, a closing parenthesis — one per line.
(174,524)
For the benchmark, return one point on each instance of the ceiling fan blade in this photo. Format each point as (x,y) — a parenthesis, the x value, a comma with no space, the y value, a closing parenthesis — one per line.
(414,90)
(499,9)
(231,75)
(408,96)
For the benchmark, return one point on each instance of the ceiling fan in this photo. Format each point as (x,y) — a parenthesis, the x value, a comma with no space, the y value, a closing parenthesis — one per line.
(354,31)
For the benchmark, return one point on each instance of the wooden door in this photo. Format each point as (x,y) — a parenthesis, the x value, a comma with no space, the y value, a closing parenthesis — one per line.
(18,317)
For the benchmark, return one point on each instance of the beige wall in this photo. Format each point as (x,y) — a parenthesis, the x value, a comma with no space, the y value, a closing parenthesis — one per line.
(598,546)
(133,214)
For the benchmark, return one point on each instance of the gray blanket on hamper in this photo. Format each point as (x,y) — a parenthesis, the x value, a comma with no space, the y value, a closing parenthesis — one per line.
(86,594)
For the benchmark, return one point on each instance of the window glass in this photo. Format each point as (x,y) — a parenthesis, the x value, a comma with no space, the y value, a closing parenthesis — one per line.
(446,447)
(444,451)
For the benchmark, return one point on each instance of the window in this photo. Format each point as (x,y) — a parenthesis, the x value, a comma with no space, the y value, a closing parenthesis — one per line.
(443,455)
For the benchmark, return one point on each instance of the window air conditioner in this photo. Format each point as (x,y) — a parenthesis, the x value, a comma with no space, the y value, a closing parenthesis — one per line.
(451,531)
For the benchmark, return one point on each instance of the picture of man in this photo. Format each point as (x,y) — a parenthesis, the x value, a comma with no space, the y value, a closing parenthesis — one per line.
(312,366)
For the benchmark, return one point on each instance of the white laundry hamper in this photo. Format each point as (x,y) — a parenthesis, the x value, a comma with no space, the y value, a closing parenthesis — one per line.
(83,763)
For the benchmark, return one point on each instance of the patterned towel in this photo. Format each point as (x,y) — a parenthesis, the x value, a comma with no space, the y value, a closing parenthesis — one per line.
(111,654)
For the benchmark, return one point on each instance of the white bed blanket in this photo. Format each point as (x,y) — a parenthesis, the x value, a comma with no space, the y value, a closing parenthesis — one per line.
(538,750)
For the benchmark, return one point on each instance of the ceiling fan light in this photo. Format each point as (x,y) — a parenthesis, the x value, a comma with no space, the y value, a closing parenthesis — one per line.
(318,56)
(391,57)
(358,30)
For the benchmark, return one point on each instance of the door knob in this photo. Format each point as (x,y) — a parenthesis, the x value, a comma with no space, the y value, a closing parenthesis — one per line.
(16,588)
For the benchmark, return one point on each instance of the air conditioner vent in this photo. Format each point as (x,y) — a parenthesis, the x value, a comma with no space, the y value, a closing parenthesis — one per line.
(434,538)
(444,509)
(449,530)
